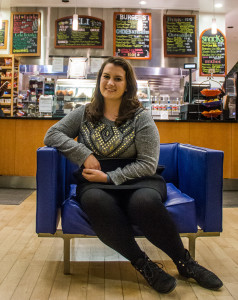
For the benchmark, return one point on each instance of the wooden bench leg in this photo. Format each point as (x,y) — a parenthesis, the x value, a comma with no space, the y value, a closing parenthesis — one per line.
(66,255)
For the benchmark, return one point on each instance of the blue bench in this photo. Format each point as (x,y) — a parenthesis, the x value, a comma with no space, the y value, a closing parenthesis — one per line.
(194,178)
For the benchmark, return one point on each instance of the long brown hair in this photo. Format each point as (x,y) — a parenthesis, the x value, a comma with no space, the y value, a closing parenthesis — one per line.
(129,103)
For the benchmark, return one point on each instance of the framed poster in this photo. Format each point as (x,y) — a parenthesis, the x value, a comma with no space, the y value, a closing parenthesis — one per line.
(3,34)
(25,34)
(213,58)
(90,33)
(128,41)
(180,36)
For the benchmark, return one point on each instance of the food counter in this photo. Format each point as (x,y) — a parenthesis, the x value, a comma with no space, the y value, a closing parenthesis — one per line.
(20,138)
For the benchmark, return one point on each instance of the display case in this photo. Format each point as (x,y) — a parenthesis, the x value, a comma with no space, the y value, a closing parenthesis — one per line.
(49,87)
(71,93)
(231,96)
(144,93)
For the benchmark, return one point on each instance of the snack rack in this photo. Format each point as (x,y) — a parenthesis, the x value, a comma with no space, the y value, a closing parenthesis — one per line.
(212,103)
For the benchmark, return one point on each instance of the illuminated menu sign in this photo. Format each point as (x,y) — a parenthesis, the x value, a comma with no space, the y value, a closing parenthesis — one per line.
(90,33)
(212,53)
(180,36)
(132,35)
(25,34)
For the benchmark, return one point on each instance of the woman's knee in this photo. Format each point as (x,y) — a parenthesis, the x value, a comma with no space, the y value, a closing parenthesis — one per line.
(96,199)
(145,200)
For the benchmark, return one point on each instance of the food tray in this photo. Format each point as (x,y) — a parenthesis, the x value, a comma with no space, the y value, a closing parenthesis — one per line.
(210,92)
(212,103)
(211,114)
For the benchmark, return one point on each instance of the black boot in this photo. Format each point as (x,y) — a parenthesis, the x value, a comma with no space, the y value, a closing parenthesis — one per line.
(189,268)
(155,276)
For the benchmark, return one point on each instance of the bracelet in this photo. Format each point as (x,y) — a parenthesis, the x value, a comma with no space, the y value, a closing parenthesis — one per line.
(108,179)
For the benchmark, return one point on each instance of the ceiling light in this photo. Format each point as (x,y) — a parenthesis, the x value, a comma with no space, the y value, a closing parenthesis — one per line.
(214,26)
(75,25)
(218,5)
(214,23)
(140,23)
(142,2)
(75,22)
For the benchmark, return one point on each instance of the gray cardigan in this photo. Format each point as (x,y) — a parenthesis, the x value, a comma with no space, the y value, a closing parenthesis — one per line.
(137,138)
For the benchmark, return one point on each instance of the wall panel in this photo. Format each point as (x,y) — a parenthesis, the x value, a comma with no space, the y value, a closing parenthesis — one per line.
(7,146)
(234,153)
(29,137)
(215,136)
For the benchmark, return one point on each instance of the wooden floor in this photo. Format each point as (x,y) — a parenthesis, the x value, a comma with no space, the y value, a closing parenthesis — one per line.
(32,267)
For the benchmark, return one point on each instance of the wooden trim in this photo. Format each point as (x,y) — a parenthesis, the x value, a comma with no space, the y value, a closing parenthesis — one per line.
(38,53)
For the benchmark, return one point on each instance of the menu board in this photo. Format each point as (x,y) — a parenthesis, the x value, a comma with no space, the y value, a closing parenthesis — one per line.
(3,34)
(90,33)
(130,41)
(180,38)
(25,34)
(212,53)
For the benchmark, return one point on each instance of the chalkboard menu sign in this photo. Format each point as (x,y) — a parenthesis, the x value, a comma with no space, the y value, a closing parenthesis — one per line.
(90,33)
(212,53)
(132,35)
(180,36)
(3,34)
(25,34)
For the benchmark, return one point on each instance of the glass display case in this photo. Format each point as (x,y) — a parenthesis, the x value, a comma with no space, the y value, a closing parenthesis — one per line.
(71,93)
(231,97)
(144,93)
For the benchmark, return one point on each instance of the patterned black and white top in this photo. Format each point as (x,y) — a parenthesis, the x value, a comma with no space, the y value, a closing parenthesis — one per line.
(137,138)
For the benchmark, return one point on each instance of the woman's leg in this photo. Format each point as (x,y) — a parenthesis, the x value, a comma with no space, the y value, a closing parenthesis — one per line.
(146,210)
(110,223)
(112,226)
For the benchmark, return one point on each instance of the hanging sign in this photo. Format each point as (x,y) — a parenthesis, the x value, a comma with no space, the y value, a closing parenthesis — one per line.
(3,34)
(25,34)
(132,35)
(180,38)
(90,33)
(213,57)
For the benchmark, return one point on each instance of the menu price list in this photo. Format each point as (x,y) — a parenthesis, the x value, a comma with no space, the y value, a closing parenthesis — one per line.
(90,33)
(180,35)
(25,33)
(212,53)
(129,42)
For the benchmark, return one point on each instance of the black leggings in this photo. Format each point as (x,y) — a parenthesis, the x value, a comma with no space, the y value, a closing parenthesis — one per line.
(111,214)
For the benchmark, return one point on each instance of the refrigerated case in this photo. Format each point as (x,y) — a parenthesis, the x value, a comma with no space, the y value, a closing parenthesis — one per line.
(144,93)
(71,93)
(231,97)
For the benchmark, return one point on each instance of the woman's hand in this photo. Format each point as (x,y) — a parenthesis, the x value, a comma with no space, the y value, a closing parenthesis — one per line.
(92,163)
(93,175)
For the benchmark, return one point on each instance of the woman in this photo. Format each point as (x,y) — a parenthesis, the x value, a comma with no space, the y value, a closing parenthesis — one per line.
(115,126)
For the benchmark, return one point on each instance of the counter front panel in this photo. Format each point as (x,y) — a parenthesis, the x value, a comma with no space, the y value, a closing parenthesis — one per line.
(20,138)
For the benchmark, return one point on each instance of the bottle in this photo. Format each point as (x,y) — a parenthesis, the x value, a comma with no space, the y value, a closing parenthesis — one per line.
(169,107)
